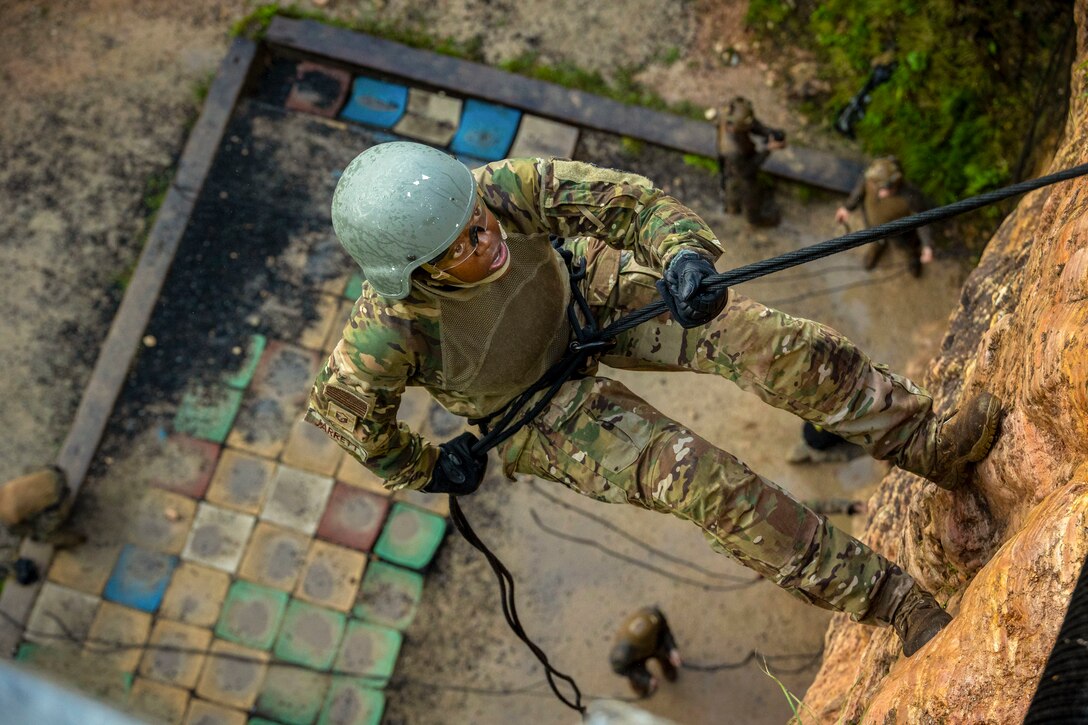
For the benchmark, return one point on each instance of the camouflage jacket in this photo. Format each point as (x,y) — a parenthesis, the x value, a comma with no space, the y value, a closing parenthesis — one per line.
(389,344)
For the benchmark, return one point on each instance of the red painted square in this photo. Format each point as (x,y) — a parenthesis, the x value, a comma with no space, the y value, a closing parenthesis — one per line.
(184,465)
(353,517)
(318,89)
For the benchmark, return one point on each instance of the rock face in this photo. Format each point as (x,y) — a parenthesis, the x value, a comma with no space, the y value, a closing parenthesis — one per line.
(1005,552)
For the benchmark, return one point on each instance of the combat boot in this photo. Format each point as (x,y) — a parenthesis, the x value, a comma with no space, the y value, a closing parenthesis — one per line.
(23,498)
(918,619)
(964,438)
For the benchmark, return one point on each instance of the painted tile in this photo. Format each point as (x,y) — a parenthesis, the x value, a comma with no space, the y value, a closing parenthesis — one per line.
(251,615)
(486,130)
(356,474)
(83,672)
(248,355)
(202,712)
(84,568)
(159,702)
(233,681)
(310,635)
(353,517)
(218,537)
(171,656)
(161,521)
(274,556)
(310,449)
(275,399)
(354,287)
(318,89)
(441,425)
(331,576)
(241,481)
(115,625)
(297,499)
(140,578)
(375,103)
(368,650)
(415,407)
(540,138)
(389,595)
(312,335)
(195,595)
(352,702)
(411,536)
(430,117)
(182,464)
(343,313)
(435,503)
(208,412)
(292,696)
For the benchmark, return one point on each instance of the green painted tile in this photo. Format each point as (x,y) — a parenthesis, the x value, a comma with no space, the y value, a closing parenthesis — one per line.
(389,595)
(369,650)
(292,696)
(251,615)
(310,635)
(261,721)
(28,652)
(250,356)
(355,287)
(351,702)
(410,536)
(208,413)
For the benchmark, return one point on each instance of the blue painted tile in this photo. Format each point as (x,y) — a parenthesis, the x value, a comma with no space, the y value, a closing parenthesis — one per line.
(139,579)
(486,130)
(376,103)
(469,161)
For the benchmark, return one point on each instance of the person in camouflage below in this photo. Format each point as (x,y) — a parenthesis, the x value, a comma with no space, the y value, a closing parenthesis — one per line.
(466,297)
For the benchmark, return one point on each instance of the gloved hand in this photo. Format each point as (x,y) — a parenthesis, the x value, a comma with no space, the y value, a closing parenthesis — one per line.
(457,470)
(689,304)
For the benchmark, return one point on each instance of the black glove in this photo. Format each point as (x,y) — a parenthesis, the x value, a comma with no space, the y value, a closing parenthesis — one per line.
(690,304)
(457,471)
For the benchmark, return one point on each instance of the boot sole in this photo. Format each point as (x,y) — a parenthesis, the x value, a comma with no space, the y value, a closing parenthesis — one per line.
(989,433)
(985,442)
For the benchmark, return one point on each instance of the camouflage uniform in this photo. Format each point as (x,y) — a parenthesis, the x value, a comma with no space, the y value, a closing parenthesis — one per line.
(602,440)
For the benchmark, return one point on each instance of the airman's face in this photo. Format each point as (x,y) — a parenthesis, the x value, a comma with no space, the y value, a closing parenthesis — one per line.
(478,251)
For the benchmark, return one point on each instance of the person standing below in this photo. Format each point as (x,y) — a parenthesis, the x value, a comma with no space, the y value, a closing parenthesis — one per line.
(467,296)
(644,636)
(884,196)
(743,145)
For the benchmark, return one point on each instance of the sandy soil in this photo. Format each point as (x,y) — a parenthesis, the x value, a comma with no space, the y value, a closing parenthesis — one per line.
(100,95)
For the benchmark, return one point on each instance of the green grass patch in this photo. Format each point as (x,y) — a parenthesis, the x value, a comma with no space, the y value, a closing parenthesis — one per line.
(970,81)
(705,163)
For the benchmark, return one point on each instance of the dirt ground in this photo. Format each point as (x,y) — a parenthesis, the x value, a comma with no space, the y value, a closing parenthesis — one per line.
(99,99)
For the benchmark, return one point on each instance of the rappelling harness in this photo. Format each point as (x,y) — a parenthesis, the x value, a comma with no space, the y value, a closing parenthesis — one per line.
(588,340)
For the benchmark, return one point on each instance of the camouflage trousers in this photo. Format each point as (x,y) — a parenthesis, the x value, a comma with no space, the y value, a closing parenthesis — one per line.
(600,439)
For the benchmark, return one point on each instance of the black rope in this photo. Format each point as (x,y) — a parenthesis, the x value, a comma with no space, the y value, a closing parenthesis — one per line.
(849,241)
(1062,693)
(509,608)
(588,338)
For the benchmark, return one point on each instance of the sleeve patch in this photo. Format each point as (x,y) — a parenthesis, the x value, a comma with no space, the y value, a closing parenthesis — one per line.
(348,401)
(345,418)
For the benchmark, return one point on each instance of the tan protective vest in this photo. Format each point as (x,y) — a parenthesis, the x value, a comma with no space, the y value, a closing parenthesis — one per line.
(499,338)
